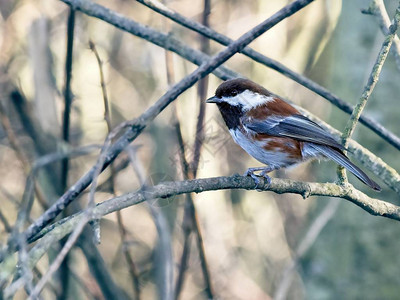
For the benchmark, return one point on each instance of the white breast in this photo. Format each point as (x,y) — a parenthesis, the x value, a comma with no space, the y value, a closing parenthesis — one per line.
(255,149)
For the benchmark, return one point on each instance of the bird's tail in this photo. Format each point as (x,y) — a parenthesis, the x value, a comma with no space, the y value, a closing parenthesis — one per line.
(338,156)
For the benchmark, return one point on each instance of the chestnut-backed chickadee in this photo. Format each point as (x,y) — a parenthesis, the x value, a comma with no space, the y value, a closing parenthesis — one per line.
(274,132)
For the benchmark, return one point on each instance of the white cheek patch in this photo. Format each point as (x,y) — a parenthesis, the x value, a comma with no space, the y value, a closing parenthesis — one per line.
(248,100)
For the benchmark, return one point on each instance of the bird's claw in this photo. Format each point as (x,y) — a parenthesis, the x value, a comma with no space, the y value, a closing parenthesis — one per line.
(256,178)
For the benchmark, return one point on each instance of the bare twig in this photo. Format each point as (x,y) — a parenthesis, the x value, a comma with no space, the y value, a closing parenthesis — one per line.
(137,126)
(107,112)
(275,65)
(163,252)
(377,8)
(24,275)
(122,230)
(372,80)
(128,257)
(60,257)
(187,220)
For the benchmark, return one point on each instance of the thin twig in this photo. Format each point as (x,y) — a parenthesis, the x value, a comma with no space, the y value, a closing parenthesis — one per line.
(273,64)
(137,126)
(133,272)
(106,102)
(24,275)
(378,9)
(163,252)
(122,230)
(60,257)
(372,80)
(188,214)
(187,223)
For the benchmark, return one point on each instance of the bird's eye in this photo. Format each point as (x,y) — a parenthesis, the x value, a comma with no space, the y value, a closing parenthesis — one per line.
(234,93)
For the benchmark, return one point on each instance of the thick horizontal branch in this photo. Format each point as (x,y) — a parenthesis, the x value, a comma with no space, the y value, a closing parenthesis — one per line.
(375,126)
(168,189)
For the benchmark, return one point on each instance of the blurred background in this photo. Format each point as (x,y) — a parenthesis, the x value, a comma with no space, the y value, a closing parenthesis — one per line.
(257,245)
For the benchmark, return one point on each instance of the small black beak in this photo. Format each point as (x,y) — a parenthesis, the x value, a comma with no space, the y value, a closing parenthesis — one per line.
(214,99)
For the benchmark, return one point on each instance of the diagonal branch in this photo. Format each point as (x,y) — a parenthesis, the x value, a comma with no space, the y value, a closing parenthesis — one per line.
(372,81)
(139,124)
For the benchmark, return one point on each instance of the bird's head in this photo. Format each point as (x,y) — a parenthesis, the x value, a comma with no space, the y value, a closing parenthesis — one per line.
(240,95)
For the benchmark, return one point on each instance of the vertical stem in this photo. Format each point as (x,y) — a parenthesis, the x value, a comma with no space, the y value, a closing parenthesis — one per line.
(122,230)
(67,91)
(64,269)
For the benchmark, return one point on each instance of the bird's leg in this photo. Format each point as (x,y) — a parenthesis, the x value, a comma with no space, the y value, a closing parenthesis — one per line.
(263,173)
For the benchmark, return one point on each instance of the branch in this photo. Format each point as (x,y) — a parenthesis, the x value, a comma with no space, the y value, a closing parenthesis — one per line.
(377,9)
(273,64)
(68,94)
(58,230)
(139,124)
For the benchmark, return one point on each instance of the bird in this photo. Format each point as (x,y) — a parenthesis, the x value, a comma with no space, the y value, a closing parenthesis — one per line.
(274,132)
